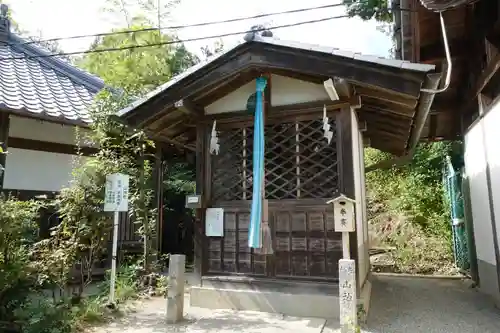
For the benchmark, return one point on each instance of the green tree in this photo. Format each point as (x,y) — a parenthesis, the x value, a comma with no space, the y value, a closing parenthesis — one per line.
(137,70)
(369,9)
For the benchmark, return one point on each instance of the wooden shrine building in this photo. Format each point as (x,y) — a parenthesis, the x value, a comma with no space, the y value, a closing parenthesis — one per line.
(468,110)
(368,101)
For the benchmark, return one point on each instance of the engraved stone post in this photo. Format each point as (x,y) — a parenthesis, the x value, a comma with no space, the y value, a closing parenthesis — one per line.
(344,215)
(347,293)
(175,294)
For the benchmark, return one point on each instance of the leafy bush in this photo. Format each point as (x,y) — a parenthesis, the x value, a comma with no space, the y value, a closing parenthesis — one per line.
(18,231)
(407,211)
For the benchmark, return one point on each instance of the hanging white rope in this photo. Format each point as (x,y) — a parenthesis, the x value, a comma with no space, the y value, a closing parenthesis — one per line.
(214,140)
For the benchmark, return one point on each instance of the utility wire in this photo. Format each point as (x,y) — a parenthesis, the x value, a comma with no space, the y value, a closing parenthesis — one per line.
(34,40)
(177,41)
(185,26)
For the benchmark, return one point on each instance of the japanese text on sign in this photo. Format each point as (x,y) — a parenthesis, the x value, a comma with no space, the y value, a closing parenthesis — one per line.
(116,196)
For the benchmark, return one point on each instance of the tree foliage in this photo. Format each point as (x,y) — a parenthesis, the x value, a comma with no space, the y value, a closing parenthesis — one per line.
(407,210)
(369,9)
(137,70)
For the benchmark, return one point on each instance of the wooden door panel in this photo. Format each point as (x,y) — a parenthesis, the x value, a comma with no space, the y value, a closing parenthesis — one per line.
(304,241)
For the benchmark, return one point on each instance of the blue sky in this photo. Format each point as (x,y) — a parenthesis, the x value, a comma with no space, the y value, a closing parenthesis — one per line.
(60,18)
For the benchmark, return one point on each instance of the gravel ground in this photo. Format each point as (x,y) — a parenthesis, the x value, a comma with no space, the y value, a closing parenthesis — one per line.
(413,305)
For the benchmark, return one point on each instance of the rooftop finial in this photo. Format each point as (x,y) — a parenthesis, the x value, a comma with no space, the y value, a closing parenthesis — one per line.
(4,22)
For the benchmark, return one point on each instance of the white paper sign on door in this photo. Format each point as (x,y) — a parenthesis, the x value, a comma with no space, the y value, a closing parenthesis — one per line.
(214,222)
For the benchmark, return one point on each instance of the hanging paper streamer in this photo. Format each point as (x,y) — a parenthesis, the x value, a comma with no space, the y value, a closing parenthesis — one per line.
(254,232)
(326,127)
(214,140)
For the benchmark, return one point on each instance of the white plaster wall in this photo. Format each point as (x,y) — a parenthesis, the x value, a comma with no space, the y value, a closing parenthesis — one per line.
(475,167)
(363,201)
(491,123)
(40,130)
(284,91)
(359,189)
(38,170)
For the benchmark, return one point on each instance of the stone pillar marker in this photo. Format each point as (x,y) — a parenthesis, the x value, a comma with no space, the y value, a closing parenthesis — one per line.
(175,293)
(344,219)
(347,295)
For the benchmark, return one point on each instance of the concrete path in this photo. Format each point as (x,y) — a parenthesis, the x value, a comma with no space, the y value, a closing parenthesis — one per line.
(398,305)
(419,305)
(149,317)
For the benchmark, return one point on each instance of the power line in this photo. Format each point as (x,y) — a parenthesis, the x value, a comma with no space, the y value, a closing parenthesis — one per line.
(178,41)
(185,26)
(201,24)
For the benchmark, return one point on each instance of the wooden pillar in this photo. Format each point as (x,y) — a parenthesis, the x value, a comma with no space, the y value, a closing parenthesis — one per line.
(346,169)
(4,135)
(199,223)
(158,185)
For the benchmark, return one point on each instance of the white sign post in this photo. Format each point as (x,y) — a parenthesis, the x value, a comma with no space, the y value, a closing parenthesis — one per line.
(115,200)
(344,217)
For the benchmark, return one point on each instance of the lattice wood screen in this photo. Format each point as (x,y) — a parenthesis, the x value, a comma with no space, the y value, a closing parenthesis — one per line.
(299,162)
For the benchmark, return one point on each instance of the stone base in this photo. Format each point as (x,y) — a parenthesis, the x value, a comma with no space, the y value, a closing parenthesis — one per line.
(298,299)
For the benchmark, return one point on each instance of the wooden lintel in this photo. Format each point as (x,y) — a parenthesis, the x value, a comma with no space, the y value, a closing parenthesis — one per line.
(280,110)
(50,147)
(188,107)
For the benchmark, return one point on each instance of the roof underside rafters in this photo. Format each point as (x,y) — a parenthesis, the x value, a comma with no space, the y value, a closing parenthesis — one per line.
(389,90)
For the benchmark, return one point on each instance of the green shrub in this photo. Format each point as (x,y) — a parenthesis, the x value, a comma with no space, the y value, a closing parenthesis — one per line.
(406,210)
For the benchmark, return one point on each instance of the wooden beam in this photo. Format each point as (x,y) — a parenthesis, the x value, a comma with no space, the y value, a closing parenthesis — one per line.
(483,80)
(379,105)
(4,145)
(175,143)
(458,47)
(280,110)
(50,147)
(186,106)
(407,102)
(344,88)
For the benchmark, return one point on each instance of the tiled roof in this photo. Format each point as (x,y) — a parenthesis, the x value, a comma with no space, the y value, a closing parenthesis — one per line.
(44,87)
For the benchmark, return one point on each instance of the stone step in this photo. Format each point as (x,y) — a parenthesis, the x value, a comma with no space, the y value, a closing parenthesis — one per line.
(298,299)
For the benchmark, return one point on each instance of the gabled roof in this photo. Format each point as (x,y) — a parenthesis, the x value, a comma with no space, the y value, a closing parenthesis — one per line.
(392,87)
(36,85)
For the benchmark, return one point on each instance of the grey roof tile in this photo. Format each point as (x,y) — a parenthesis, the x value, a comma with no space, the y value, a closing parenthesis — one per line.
(44,86)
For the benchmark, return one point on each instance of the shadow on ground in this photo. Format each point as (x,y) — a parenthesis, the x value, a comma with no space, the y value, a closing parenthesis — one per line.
(412,305)
(429,305)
